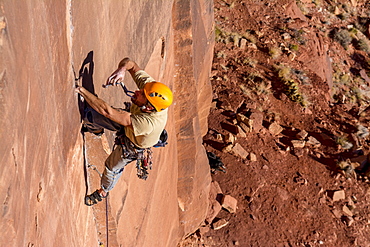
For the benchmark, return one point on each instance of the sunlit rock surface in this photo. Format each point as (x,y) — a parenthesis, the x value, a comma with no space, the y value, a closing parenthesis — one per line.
(43,180)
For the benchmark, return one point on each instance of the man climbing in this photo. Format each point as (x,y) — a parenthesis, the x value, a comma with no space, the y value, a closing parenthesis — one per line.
(137,129)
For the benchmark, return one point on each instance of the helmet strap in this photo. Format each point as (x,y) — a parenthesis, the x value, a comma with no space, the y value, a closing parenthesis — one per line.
(148,107)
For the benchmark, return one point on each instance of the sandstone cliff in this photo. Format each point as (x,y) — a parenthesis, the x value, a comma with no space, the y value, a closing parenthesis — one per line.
(42,177)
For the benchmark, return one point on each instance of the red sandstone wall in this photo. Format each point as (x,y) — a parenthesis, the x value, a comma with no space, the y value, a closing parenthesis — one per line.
(42,177)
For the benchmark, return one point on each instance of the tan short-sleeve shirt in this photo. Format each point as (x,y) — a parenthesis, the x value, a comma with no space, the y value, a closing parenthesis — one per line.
(147,127)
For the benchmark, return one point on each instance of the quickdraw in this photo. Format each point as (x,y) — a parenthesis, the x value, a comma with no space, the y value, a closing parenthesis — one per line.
(143,156)
(144,163)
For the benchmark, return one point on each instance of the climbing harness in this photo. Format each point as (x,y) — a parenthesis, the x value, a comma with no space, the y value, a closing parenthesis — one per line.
(143,156)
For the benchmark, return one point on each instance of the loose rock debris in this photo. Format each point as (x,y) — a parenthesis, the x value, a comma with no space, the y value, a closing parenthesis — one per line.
(297,148)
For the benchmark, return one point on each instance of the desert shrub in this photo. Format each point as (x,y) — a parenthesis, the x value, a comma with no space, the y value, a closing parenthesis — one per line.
(234,37)
(343,142)
(294,94)
(348,88)
(219,34)
(284,73)
(262,88)
(299,36)
(301,76)
(343,37)
(362,24)
(317,2)
(275,52)
(291,86)
(221,54)
(345,79)
(343,16)
(362,44)
(250,62)
(293,47)
(250,37)
(362,132)
(302,7)
(255,83)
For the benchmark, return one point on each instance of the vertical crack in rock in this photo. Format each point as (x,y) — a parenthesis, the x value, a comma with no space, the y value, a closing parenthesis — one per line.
(14,158)
(2,29)
(6,202)
(36,222)
(95,156)
(2,86)
(39,194)
(163,47)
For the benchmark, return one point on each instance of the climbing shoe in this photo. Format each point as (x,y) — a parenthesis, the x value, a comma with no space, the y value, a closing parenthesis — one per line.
(95,132)
(94,198)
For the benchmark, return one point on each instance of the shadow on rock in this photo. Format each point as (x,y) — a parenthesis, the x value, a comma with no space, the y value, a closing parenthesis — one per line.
(85,74)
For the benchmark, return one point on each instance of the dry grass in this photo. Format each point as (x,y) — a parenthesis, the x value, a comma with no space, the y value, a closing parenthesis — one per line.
(255,84)
(275,52)
(343,142)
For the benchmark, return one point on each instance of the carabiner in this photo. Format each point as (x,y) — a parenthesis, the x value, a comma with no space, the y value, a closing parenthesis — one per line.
(127,92)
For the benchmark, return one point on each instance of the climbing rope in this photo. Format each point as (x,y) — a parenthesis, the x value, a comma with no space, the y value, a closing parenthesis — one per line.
(106,219)
(94,168)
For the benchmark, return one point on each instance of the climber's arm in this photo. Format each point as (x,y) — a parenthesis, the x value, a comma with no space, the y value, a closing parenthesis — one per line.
(119,74)
(99,105)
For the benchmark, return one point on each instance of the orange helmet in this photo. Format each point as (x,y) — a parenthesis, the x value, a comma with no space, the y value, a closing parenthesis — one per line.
(158,94)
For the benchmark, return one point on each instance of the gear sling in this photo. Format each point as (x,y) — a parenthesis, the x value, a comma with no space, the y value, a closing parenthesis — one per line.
(143,156)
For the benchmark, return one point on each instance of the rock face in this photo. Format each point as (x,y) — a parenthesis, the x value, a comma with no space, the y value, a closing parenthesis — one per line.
(42,178)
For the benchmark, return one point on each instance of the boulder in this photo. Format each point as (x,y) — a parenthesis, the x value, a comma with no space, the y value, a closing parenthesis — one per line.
(313,141)
(252,157)
(229,138)
(219,224)
(301,135)
(245,127)
(275,129)
(257,118)
(238,150)
(229,203)
(241,132)
(242,43)
(298,143)
(336,195)
(347,211)
(214,205)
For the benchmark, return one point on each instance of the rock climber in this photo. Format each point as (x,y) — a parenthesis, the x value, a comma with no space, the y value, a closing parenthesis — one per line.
(137,129)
